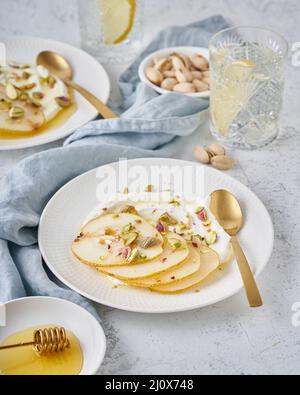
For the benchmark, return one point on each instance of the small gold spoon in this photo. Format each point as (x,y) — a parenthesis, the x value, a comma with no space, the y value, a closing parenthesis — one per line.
(62,69)
(227,211)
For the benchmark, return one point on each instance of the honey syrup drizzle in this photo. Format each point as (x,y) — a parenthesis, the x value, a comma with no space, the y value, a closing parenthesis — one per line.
(59,120)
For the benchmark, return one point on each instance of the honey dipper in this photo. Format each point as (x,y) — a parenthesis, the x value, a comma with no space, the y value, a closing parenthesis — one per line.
(47,340)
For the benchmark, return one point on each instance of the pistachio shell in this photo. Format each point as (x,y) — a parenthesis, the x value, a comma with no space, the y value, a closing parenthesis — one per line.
(178,64)
(201,155)
(169,73)
(11,92)
(197,75)
(180,76)
(154,75)
(206,80)
(163,64)
(222,162)
(199,62)
(200,86)
(169,83)
(216,149)
(185,87)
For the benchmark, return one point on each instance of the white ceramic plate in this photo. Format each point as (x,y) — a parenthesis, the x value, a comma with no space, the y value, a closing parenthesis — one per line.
(66,211)
(148,61)
(33,311)
(87,72)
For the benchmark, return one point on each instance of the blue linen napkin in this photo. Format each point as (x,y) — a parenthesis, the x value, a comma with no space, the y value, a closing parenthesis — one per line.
(150,125)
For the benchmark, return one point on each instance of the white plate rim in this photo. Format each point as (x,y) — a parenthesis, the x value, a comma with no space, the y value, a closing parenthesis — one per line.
(100,356)
(45,139)
(166,310)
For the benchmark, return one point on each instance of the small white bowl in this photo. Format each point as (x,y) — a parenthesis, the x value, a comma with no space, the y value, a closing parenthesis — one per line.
(33,311)
(148,62)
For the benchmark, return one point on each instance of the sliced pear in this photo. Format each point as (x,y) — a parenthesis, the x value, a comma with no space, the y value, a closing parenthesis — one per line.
(169,259)
(32,119)
(102,240)
(187,268)
(209,263)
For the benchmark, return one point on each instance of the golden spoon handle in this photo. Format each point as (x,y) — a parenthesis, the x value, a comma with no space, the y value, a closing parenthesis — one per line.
(103,110)
(252,291)
(16,345)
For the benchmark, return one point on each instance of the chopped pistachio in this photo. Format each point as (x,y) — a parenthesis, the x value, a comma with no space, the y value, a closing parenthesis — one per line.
(166,217)
(27,87)
(25,75)
(11,92)
(199,209)
(129,209)
(202,215)
(175,203)
(5,105)
(109,232)
(211,238)
(63,101)
(23,96)
(16,112)
(115,216)
(127,228)
(174,243)
(38,95)
(149,242)
(51,81)
(126,191)
(131,238)
(133,255)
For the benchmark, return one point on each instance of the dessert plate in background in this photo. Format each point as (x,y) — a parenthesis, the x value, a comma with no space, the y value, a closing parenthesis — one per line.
(87,72)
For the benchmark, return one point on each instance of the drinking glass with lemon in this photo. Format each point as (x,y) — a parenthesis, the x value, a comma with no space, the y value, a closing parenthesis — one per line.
(111,30)
(247,79)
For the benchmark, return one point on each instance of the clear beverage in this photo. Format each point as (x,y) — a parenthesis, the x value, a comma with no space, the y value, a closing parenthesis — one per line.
(247,80)
(111,30)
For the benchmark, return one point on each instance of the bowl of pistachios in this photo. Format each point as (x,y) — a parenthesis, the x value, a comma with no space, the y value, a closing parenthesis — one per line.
(178,69)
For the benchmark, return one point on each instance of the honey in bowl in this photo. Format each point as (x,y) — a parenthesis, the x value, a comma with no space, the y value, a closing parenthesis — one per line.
(26,361)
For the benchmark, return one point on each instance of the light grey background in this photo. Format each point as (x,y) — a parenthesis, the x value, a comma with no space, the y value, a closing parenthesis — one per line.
(227,338)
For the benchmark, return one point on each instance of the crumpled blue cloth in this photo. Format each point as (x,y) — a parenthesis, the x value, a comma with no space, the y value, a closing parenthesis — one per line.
(150,125)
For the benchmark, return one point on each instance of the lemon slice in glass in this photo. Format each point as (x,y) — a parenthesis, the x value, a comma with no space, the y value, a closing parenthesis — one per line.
(239,70)
(117,19)
(233,94)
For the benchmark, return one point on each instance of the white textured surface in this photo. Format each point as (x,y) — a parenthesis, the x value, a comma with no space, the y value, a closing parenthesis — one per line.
(227,338)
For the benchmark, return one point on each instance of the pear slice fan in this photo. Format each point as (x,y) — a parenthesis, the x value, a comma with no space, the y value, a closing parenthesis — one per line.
(168,264)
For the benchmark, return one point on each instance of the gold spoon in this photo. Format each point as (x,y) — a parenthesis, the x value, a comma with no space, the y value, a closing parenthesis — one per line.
(227,211)
(62,69)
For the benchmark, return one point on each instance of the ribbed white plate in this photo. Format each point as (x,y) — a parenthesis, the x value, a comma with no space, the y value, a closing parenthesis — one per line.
(66,211)
(87,72)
